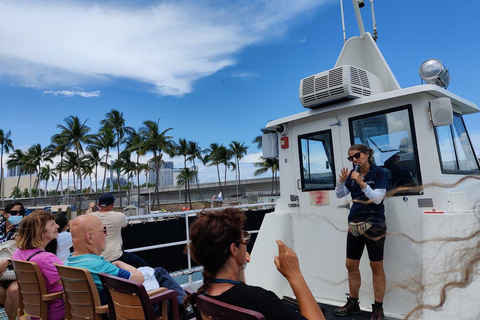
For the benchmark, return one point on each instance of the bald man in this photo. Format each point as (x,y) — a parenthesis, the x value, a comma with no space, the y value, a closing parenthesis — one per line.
(88,236)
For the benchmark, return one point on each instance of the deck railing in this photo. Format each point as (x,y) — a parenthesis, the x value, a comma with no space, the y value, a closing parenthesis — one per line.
(160,216)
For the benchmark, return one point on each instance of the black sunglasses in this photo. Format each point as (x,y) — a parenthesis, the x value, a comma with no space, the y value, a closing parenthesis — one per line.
(17,212)
(356,156)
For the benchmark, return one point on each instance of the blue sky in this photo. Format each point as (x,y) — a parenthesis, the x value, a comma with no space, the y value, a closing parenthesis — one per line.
(214,71)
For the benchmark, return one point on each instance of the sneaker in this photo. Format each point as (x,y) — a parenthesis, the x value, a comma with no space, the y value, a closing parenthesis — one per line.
(377,313)
(350,308)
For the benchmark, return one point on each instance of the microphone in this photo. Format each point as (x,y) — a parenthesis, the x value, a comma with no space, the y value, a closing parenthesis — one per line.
(356,169)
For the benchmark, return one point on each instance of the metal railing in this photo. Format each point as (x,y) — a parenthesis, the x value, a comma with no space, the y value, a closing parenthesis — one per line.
(164,216)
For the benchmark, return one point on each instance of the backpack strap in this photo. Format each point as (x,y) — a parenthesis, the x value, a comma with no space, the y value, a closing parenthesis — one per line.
(34,254)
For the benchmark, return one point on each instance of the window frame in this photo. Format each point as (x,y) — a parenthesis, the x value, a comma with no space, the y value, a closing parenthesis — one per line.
(332,165)
(409,109)
(456,171)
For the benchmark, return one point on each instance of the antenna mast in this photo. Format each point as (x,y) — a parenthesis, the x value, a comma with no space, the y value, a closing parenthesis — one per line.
(343,22)
(375,36)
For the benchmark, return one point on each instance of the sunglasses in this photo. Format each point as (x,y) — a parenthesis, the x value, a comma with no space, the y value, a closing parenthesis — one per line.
(16,212)
(245,238)
(104,230)
(356,156)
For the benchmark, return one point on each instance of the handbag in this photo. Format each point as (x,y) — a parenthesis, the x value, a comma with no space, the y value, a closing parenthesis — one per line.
(7,248)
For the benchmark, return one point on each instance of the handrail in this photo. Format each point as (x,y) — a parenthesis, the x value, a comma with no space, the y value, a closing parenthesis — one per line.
(158,215)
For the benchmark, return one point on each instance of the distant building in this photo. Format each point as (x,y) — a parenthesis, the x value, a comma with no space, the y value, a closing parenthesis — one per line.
(123,181)
(167,174)
(15,172)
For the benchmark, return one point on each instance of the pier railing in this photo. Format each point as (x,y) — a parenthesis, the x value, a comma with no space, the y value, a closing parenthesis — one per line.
(155,216)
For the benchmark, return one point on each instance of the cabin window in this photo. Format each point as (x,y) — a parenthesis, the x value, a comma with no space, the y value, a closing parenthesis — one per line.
(391,136)
(316,161)
(455,150)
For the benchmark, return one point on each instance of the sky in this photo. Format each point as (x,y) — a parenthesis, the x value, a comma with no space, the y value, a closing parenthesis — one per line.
(212,70)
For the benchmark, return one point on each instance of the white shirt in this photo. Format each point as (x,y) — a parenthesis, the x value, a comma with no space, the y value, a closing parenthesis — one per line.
(64,243)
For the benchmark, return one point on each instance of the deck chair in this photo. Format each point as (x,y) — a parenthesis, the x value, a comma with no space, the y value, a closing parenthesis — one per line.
(33,298)
(128,299)
(81,295)
(208,308)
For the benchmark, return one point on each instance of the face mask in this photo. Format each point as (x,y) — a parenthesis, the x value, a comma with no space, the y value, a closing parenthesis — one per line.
(14,220)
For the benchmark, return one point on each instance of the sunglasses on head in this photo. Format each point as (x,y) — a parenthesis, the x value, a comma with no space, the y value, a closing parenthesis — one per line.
(17,212)
(246,237)
(356,156)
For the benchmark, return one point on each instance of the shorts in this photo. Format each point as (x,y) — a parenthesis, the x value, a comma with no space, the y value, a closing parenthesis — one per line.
(356,245)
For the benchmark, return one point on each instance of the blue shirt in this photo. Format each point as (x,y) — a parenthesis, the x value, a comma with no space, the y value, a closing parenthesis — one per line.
(373,213)
(96,264)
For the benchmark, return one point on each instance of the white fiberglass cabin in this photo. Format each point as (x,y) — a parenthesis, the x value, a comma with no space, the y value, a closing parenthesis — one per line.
(360,101)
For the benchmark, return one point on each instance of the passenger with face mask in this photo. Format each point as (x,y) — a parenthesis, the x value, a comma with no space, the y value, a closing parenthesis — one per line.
(9,222)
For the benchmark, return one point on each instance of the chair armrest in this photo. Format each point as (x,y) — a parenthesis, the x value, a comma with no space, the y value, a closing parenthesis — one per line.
(168,294)
(102,309)
(156,291)
(52,296)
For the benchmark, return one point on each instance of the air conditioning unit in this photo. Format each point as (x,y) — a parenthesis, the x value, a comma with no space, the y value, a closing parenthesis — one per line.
(342,83)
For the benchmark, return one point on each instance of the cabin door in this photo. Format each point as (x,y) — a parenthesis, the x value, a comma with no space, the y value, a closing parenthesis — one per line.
(320,221)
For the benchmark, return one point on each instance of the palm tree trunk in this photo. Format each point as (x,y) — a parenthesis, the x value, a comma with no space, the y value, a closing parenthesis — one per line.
(220,181)
(196,179)
(18,183)
(189,196)
(273,180)
(105,173)
(118,171)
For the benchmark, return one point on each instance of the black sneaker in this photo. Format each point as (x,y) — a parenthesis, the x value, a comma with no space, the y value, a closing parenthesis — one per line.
(352,307)
(377,313)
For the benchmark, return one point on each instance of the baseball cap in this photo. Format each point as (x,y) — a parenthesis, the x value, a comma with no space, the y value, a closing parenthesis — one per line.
(106,199)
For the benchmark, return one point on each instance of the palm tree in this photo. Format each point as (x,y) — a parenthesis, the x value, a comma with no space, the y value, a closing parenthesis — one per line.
(76,134)
(59,147)
(136,143)
(17,158)
(16,193)
(181,149)
(212,159)
(6,145)
(115,120)
(156,142)
(104,140)
(70,164)
(94,160)
(36,155)
(265,165)
(238,150)
(195,152)
(184,177)
(223,156)
(127,166)
(45,174)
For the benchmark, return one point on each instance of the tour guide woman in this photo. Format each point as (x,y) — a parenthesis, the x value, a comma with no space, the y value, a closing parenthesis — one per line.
(367,184)
(220,245)
(36,231)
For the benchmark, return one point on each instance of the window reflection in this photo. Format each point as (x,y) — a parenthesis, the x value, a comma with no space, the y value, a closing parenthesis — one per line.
(390,136)
(316,159)
(455,149)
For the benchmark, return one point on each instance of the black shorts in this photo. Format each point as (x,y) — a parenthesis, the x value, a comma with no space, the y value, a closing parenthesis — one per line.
(355,245)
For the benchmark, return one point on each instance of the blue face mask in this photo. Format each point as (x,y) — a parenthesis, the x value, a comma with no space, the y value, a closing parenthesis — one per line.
(14,220)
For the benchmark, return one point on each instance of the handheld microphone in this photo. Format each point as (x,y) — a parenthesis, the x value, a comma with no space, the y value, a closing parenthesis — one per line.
(356,169)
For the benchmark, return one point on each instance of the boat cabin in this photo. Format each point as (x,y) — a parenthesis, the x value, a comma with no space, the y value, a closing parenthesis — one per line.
(419,138)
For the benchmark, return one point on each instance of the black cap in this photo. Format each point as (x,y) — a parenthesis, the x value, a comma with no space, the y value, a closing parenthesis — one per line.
(106,199)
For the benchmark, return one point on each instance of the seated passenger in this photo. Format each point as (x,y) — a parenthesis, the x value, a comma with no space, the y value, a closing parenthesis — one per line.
(115,221)
(35,232)
(219,244)
(88,235)
(62,245)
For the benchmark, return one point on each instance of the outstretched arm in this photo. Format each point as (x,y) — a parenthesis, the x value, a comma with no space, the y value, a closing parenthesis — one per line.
(136,275)
(287,264)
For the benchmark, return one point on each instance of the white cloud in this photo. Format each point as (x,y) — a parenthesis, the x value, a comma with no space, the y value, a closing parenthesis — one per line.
(169,44)
(72,93)
(244,74)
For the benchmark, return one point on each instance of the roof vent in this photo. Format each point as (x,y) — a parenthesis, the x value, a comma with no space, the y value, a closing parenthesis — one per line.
(344,82)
